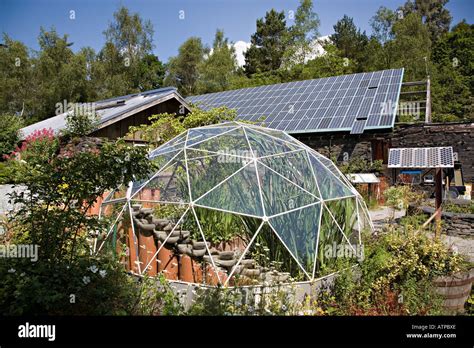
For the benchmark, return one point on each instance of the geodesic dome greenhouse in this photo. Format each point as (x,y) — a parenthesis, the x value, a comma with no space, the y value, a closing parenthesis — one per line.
(235,204)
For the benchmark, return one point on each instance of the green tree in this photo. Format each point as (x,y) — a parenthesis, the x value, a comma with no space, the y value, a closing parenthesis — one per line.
(350,41)
(433,13)
(16,71)
(126,63)
(183,70)
(218,68)
(9,133)
(268,44)
(382,24)
(411,47)
(303,33)
(130,34)
(58,75)
(453,82)
(329,64)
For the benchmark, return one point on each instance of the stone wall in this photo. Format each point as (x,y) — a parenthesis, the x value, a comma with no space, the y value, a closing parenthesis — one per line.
(335,145)
(454,224)
(340,145)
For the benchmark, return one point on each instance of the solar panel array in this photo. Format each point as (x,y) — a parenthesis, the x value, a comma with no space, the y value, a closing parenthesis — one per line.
(426,157)
(353,103)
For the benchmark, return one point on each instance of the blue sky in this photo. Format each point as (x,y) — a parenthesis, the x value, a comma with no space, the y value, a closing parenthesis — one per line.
(21,19)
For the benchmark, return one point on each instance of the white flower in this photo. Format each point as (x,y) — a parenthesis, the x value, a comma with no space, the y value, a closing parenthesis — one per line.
(86,280)
(284,308)
(93,269)
(103,273)
(11,270)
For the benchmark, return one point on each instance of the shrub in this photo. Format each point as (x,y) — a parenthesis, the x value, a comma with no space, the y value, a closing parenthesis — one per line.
(9,133)
(399,197)
(395,277)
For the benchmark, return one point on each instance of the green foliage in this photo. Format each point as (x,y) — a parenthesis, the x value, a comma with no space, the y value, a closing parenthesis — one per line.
(9,133)
(80,124)
(217,70)
(62,185)
(165,127)
(36,82)
(399,197)
(88,286)
(395,277)
(183,70)
(350,41)
(361,165)
(268,44)
(302,34)
(240,301)
(458,208)
(435,16)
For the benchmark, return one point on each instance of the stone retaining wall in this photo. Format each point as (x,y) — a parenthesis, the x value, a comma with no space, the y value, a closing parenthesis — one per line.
(455,224)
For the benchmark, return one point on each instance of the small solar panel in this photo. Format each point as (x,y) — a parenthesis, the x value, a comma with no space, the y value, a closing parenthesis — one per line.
(369,99)
(426,157)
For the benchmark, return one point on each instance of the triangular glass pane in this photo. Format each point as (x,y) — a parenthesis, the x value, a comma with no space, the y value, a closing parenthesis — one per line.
(239,194)
(233,141)
(159,163)
(197,135)
(193,154)
(295,167)
(118,193)
(174,144)
(225,231)
(169,185)
(329,185)
(299,231)
(268,261)
(344,212)
(263,145)
(205,173)
(248,229)
(280,194)
(274,133)
(119,240)
(330,241)
(365,224)
(332,167)
(110,214)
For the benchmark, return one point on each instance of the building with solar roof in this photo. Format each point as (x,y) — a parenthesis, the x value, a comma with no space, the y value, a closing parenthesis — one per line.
(342,117)
(347,103)
(350,116)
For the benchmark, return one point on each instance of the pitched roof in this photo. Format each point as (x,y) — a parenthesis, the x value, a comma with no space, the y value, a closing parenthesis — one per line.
(112,110)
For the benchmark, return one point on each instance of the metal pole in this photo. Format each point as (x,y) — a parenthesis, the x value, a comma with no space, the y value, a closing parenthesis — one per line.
(428,101)
(438,199)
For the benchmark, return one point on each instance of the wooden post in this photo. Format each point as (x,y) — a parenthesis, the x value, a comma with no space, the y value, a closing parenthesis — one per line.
(438,199)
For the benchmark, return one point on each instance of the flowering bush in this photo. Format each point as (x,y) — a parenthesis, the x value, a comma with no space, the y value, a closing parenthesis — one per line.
(39,143)
(61,184)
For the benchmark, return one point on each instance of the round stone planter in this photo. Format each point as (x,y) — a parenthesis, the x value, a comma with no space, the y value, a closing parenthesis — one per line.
(455,290)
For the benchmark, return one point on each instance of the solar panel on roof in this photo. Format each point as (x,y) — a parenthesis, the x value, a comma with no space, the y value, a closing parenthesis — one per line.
(426,157)
(370,101)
